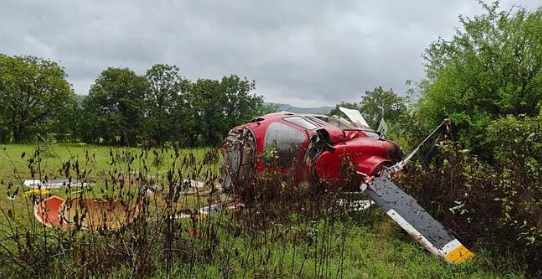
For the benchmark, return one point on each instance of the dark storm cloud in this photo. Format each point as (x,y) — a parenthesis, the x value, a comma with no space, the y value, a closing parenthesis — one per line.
(305,53)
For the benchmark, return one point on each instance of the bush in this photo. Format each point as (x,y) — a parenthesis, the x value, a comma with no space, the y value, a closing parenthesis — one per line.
(496,207)
(490,68)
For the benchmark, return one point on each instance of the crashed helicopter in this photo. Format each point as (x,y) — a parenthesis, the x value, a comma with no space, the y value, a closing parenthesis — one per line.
(306,147)
(302,148)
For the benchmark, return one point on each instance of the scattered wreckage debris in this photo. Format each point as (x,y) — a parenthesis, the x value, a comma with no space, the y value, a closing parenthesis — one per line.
(48,212)
(194,183)
(104,214)
(231,205)
(356,205)
(194,187)
(85,213)
(310,147)
(195,192)
(51,184)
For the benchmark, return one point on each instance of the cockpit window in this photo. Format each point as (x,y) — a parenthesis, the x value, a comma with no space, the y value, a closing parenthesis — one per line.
(282,145)
(336,121)
(341,123)
(302,122)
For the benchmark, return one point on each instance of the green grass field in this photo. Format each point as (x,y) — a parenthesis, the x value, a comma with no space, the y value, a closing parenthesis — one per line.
(358,245)
(96,164)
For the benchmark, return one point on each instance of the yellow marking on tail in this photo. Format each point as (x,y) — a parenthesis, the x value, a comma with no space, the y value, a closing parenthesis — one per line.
(459,255)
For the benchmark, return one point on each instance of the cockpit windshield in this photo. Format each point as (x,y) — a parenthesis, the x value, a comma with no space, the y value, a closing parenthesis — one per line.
(339,122)
(302,122)
(333,120)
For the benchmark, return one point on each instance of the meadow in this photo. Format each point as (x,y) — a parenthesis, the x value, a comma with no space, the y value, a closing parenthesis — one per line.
(283,233)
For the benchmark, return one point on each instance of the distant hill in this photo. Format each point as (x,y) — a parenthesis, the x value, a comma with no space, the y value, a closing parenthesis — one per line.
(294,109)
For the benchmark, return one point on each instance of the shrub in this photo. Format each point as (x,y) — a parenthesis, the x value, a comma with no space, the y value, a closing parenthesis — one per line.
(496,207)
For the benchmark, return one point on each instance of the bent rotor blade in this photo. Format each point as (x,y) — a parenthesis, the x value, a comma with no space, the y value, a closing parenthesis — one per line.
(404,210)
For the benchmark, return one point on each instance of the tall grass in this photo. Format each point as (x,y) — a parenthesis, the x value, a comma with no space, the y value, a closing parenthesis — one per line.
(282,231)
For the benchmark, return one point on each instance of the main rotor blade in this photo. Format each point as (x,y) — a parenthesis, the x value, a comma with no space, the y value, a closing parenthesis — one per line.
(427,231)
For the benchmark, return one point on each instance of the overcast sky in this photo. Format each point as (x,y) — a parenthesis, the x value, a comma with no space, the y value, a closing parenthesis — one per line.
(305,53)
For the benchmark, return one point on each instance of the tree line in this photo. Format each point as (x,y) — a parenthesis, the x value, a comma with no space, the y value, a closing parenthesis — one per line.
(122,107)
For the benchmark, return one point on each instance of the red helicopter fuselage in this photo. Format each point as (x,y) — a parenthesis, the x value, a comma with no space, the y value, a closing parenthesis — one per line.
(300,146)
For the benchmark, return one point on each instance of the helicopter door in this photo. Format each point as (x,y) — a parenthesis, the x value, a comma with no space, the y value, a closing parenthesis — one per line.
(282,145)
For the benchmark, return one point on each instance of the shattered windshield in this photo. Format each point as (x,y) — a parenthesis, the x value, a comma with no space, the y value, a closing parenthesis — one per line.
(341,123)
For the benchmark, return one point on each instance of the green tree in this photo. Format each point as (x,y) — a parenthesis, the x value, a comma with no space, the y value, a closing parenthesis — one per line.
(32,89)
(217,106)
(186,116)
(491,68)
(63,124)
(165,87)
(73,123)
(241,105)
(378,101)
(115,107)
(207,103)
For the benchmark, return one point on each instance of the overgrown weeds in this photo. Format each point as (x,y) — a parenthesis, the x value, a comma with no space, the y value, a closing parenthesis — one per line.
(282,231)
(172,234)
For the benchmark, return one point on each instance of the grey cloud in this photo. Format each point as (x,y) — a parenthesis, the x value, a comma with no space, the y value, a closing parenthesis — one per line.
(306,53)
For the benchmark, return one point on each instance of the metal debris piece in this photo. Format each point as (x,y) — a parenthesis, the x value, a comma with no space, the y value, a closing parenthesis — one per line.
(55,183)
(195,191)
(210,209)
(356,205)
(85,213)
(355,116)
(194,183)
(47,212)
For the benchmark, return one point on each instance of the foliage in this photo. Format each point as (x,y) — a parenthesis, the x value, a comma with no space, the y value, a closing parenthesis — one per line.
(491,68)
(380,103)
(115,107)
(165,94)
(495,207)
(161,107)
(33,96)
(122,108)
(238,106)
(517,138)
(212,107)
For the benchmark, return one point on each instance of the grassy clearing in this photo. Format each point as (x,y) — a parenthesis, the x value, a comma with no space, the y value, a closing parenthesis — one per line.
(91,157)
(273,239)
(96,165)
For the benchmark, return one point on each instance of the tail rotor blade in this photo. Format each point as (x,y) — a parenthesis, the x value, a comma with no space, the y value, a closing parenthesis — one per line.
(427,231)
